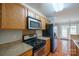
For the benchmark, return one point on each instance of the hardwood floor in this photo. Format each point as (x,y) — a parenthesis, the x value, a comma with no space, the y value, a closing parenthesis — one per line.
(62,48)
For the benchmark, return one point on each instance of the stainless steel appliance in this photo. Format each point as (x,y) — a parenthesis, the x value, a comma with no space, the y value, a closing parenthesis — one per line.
(49,32)
(33,23)
(37,44)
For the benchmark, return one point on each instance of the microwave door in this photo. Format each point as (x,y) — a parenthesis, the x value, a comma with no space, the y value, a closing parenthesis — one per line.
(34,24)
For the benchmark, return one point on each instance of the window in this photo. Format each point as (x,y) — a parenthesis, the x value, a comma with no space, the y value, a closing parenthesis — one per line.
(67,30)
(64,31)
(73,29)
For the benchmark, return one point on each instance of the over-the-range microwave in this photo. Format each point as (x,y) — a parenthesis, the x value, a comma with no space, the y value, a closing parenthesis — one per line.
(33,23)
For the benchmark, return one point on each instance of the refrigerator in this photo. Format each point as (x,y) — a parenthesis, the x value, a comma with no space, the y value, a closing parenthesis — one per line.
(50,32)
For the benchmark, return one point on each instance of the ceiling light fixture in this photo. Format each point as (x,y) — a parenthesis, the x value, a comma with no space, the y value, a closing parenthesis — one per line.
(58,6)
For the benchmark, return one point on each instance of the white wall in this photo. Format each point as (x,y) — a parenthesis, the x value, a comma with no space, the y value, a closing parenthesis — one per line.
(78,29)
(67,16)
(10,35)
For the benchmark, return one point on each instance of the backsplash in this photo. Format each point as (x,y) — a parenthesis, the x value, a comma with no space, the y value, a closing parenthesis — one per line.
(39,33)
(7,36)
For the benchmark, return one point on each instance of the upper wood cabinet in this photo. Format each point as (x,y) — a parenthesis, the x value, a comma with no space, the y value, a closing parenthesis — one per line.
(0,14)
(47,22)
(43,23)
(12,16)
(38,16)
(31,13)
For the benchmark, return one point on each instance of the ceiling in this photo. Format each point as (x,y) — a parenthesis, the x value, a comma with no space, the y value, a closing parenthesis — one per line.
(44,8)
(70,10)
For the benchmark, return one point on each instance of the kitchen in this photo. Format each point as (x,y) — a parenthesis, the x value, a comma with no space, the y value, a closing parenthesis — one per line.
(26,30)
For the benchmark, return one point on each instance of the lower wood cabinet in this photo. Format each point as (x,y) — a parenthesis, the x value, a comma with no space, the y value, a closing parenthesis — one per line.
(77,51)
(44,51)
(74,49)
(40,52)
(27,53)
(47,47)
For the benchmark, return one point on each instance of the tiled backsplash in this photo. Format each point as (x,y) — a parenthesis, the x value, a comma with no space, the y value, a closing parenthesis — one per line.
(7,36)
(39,33)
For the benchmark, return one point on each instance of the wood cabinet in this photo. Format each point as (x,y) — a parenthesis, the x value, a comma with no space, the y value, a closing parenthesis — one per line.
(74,49)
(28,53)
(40,52)
(47,22)
(77,51)
(47,47)
(38,16)
(12,16)
(43,23)
(31,13)
(44,51)
(0,14)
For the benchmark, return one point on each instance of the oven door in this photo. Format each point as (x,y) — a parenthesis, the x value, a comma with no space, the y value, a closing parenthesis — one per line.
(34,23)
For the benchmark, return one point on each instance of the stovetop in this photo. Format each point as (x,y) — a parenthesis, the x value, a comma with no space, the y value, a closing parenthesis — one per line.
(35,43)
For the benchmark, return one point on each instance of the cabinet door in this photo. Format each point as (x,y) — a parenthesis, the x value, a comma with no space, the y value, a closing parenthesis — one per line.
(43,22)
(47,47)
(31,13)
(0,14)
(13,16)
(47,22)
(37,16)
(73,48)
(77,51)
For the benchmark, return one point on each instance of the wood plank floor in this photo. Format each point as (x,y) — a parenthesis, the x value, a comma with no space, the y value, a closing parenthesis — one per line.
(59,50)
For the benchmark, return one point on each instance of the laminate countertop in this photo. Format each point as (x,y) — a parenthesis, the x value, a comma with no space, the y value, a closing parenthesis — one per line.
(15,50)
(44,38)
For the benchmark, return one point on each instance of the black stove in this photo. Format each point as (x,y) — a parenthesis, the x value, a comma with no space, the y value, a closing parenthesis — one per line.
(35,43)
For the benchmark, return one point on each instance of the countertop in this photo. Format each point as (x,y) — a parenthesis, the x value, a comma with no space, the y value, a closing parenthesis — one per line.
(15,50)
(44,38)
(75,41)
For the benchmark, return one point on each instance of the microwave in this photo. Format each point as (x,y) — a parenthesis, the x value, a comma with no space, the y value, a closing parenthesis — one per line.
(33,23)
